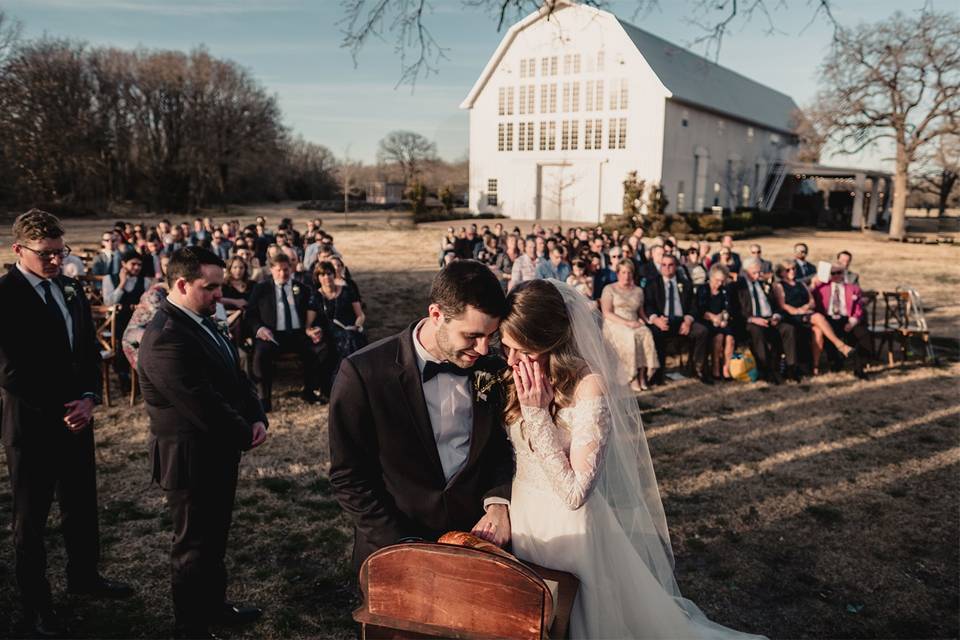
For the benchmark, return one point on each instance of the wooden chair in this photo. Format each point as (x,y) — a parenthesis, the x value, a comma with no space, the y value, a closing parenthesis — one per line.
(904,319)
(105,321)
(428,590)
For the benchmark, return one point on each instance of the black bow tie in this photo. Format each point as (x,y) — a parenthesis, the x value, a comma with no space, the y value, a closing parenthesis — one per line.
(431,369)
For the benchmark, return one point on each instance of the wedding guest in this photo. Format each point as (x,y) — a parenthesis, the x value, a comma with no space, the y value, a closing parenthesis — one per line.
(670,306)
(724,258)
(107,261)
(219,245)
(735,263)
(487,252)
(153,250)
(177,240)
(73,267)
(313,249)
(344,279)
(842,304)
(238,286)
(694,267)
(203,414)
(579,279)
(525,267)
(342,310)
(769,336)
(49,384)
(717,310)
(556,267)
(506,258)
(603,276)
(142,316)
(651,268)
(124,289)
(624,326)
(800,310)
(844,258)
(705,255)
(199,236)
(282,317)
(805,270)
(766,267)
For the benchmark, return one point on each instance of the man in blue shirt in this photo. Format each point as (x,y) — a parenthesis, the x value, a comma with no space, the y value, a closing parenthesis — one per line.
(556,268)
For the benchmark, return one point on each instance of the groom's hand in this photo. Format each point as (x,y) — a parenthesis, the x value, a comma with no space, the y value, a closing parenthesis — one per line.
(495,525)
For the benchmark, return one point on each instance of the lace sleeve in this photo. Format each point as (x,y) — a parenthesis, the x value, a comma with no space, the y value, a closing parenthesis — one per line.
(572,477)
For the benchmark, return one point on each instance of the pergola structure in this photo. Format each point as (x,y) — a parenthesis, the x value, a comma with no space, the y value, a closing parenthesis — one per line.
(857,181)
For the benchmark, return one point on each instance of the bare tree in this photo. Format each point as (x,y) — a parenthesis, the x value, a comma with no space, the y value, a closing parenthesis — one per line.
(347,170)
(939,171)
(407,149)
(808,125)
(10,30)
(420,54)
(896,80)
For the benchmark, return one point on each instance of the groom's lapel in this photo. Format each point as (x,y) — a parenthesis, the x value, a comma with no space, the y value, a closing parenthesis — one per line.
(412,396)
(483,418)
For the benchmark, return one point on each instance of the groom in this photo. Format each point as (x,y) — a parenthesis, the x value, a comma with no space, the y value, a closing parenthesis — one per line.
(417,445)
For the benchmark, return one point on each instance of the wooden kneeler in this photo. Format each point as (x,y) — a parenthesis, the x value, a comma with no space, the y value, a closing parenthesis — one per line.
(429,590)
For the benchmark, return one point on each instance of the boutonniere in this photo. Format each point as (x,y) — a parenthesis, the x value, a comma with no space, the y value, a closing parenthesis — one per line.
(680,287)
(224,329)
(296,289)
(485,381)
(69,292)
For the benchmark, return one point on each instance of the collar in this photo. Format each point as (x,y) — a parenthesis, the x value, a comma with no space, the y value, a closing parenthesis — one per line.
(32,278)
(281,286)
(667,280)
(195,316)
(423,356)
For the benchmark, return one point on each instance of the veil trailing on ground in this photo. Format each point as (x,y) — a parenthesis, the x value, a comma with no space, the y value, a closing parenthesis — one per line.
(628,482)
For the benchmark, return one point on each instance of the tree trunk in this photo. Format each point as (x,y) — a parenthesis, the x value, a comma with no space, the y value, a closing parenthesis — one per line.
(898,217)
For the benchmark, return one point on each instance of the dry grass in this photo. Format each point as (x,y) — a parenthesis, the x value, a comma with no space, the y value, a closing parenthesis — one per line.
(824,510)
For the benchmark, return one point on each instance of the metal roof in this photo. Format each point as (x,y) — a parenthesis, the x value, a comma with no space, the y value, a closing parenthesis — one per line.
(695,80)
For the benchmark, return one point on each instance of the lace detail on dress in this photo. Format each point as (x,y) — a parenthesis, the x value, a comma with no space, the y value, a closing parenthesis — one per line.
(571,470)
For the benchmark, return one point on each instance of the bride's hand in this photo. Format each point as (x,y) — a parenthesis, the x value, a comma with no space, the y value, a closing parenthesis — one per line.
(533,388)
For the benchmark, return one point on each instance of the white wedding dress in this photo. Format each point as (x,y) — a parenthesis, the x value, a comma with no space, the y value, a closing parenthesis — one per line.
(559,521)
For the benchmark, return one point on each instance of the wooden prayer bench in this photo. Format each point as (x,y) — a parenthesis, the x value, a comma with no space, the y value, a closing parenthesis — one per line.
(429,590)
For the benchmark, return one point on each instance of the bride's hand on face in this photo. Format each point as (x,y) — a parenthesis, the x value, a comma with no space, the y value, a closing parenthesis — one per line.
(533,388)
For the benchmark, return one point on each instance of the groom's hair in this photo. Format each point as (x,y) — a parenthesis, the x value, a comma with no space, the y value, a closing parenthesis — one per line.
(188,263)
(467,282)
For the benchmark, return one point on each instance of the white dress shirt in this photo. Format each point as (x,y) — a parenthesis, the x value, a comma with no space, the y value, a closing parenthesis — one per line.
(450,407)
(764,311)
(838,293)
(678,310)
(287,289)
(112,295)
(57,294)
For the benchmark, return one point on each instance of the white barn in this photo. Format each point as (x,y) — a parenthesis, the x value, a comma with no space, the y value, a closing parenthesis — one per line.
(574,98)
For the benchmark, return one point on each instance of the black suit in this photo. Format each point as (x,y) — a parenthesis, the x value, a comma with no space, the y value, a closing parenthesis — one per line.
(655,303)
(314,358)
(384,464)
(39,372)
(202,408)
(766,343)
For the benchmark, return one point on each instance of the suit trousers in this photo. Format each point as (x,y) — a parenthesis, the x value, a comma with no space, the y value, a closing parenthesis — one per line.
(201,518)
(858,337)
(64,466)
(768,343)
(697,339)
(265,354)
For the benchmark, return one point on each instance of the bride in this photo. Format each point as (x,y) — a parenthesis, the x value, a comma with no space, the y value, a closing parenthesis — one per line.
(585,498)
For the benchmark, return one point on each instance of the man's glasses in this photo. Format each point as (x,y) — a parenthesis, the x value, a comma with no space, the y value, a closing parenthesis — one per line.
(47,256)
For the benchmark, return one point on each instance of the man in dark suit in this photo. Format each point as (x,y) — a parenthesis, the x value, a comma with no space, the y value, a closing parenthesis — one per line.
(671,307)
(417,444)
(49,384)
(769,337)
(805,269)
(151,256)
(727,243)
(107,261)
(283,318)
(203,414)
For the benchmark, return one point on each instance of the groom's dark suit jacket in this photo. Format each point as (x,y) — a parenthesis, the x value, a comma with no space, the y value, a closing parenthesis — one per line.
(385,468)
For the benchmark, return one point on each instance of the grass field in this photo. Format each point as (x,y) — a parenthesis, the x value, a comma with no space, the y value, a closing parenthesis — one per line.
(827,509)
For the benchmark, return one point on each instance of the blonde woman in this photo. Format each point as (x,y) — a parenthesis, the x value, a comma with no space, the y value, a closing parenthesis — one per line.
(625,328)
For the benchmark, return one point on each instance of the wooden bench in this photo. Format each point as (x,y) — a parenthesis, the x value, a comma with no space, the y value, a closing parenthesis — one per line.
(429,590)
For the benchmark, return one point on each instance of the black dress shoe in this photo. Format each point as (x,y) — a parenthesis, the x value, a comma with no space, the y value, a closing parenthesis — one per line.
(100,587)
(48,625)
(239,614)
(706,378)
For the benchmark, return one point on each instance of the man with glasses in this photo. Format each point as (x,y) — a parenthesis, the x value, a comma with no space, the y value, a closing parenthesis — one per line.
(727,243)
(108,260)
(769,336)
(49,384)
(766,267)
(805,270)
(842,304)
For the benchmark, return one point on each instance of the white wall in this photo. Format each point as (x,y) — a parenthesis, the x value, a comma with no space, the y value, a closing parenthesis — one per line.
(584,173)
(749,157)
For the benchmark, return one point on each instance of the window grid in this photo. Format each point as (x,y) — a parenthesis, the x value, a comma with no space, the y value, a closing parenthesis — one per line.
(502,101)
(566,97)
(522,104)
(523,67)
(492,192)
(522,137)
(598,134)
(531,67)
(588,135)
(509,101)
(612,134)
(576,63)
(501,128)
(567,64)
(600,61)
(544,67)
(621,135)
(624,88)
(599,95)
(575,98)
(531,93)
(529,136)
(509,136)
(553,65)
(553,98)
(552,136)
(588,103)
(574,128)
(543,135)
(544,102)
(565,135)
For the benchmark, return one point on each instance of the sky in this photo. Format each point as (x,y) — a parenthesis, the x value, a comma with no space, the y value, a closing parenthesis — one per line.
(293,47)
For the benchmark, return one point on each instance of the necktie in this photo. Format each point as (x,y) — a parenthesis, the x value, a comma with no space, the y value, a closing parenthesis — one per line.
(756,300)
(835,301)
(671,308)
(431,369)
(222,345)
(55,312)
(287,314)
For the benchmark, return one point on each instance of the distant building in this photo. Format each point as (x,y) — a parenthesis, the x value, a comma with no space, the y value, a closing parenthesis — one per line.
(574,98)
(382,192)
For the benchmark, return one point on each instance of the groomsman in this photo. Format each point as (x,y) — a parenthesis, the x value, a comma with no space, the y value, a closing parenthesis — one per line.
(49,384)
(203,414)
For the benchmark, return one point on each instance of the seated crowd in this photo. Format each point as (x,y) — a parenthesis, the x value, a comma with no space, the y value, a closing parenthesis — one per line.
(652,293)
(289,292)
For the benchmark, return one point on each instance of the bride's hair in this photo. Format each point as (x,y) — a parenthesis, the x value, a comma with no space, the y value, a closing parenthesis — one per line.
(537,320)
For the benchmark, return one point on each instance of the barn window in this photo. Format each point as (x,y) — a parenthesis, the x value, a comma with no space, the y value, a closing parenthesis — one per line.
(622,134)
(588,105)
(574,130)
(588,135)
(597,134)
(553,98)
(612,134)
(552,136)
(576,63)
(522,105)
(501,131)
(509,136)
(531,91)
(565,135)
(509,101)
(502,101)
(522,137)
(492,192)
(599,95)
(575,97)
(544,91)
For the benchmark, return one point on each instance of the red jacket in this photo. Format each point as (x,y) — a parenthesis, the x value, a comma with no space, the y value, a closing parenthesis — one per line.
(852,295)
